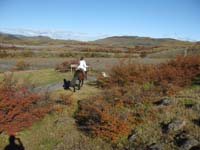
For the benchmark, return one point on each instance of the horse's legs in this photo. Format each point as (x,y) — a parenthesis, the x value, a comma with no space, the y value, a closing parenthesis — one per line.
(79,84)
(74,89)
(82,81)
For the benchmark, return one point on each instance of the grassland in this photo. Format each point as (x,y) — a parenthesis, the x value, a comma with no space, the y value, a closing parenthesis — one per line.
(57,127)
(38,77)
(59,130)
(98,63)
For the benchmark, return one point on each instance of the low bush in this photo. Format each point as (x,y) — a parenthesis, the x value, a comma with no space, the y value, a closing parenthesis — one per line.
(69,54)
(67,99)
(65,66)
(166,77)
(100,118)
(143,54)
(21,65)
(19,106)
(129,92)
(4,54)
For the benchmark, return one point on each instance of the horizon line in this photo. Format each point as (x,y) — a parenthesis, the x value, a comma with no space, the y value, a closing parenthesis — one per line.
(78,36)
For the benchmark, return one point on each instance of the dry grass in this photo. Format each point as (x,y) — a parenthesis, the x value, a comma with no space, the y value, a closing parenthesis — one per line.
(98,63)
(39,77)
(150,130)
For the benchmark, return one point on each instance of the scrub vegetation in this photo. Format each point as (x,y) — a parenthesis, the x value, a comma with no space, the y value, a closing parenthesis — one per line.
(139,94)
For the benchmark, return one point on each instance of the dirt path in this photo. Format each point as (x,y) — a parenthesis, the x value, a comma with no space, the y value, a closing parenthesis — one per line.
(58,85)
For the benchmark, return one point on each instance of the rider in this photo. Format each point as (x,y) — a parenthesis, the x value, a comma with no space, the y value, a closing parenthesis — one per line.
(82,65)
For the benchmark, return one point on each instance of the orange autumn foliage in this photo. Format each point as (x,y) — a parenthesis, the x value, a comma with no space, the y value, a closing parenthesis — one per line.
(101,119)
(168,77)
(18,107)
(128,94)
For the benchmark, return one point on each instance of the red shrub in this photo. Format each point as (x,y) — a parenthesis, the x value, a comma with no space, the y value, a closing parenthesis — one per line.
(21,65)
(67,99)
(102,119)
(65,66)
(133,87)
(169,76)
(180,71)
(18,107)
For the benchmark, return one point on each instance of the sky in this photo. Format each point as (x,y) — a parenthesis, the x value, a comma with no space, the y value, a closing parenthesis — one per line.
(94,19)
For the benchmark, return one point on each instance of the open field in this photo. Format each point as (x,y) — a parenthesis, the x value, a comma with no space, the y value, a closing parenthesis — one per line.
(138,106)
(38,77)
(99,64)
(58,130)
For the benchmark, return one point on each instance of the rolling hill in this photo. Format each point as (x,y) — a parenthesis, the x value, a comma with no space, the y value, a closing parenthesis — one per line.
(7,37)
(132,44)
(32,40)
(117,41)
(140,41)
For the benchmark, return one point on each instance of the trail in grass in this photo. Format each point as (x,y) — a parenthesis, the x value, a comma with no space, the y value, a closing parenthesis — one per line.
(58,85)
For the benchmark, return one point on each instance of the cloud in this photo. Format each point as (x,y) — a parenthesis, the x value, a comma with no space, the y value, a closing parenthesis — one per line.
(55,34)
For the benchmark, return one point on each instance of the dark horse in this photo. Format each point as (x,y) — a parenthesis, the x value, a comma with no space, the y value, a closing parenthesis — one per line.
(78,75)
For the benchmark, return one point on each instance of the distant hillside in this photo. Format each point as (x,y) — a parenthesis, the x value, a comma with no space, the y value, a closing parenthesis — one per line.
(38,37)
(140,41)
(32,40)
(7,37)
(128,44)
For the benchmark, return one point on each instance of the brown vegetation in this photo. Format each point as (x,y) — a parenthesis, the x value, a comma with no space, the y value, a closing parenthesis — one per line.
(130,90)
(67,99)
(65,66)
(21,65)
(100,118)
(19,106)
(165,77)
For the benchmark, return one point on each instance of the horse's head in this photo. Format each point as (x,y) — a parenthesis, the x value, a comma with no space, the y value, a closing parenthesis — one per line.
(66,84)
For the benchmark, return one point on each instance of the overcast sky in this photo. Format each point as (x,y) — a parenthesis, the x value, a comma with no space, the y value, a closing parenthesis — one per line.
(93,19)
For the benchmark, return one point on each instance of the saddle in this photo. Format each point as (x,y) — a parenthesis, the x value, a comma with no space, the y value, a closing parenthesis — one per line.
(84,73)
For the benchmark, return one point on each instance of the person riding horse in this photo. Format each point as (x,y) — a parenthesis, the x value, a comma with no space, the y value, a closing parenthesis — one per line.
(79,75)
(82,66)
